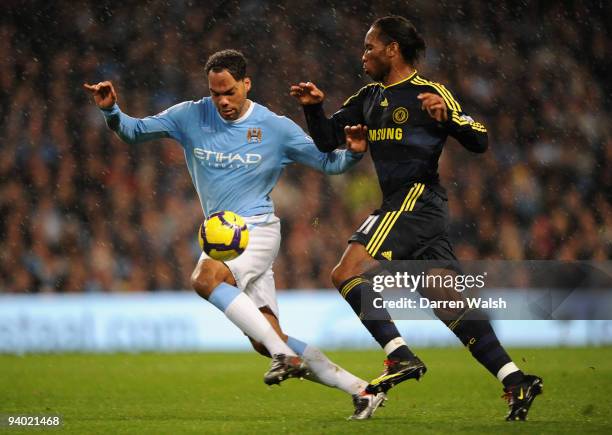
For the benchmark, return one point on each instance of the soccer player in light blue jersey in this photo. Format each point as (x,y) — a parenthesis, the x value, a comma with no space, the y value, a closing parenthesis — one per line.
(235,150)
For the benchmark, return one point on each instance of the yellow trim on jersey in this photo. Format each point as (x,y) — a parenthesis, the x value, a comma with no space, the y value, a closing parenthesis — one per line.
(451,103)
(358,92)
(457,119)
(378,83)
(344,291)
(408,205)
(477,126)
(401,81)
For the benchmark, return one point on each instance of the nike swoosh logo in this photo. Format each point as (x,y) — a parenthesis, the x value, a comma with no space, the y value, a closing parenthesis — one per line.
(521,395)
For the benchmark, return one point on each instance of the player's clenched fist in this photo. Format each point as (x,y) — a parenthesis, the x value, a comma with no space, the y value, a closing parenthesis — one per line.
(307,93)
(104,94)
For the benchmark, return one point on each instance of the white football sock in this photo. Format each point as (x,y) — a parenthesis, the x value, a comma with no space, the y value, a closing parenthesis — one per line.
(394,344)
(243,313)
(324,371)
(506,370)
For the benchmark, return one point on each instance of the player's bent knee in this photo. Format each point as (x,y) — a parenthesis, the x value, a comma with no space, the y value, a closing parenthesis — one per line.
(207,276)
(336,275)
(201,284)
(355,261)
(341,273)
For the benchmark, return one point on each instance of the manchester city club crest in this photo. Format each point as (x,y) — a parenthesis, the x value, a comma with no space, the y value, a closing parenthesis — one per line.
(254,135)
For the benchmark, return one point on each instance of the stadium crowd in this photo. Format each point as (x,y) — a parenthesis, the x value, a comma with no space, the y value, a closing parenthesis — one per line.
(81,211)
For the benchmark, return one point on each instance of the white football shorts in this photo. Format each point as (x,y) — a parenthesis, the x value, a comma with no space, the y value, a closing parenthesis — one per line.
(253,269)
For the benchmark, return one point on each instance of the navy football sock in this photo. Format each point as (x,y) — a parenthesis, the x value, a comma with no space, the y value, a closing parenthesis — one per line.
(358,292)
(476,333)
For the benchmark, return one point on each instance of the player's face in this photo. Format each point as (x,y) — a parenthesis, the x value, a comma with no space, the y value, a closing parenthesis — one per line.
(375,61)
(228,94)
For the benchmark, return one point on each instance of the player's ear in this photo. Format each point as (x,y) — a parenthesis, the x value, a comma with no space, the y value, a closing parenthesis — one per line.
(392,49)
(247,84)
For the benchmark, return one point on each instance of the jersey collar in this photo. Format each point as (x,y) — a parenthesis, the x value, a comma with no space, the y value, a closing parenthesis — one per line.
(243,117)
(401,81)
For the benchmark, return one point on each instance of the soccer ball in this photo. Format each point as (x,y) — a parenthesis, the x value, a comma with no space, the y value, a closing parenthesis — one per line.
(223,236)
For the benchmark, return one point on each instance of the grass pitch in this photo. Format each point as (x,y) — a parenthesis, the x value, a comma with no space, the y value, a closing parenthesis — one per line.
(224,393)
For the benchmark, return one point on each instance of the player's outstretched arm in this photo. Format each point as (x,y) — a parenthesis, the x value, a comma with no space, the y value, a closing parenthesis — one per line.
(322,129)
(135,130)
(299,148)
(472,135)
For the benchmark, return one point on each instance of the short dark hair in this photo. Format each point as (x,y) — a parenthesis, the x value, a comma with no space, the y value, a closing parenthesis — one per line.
(395,28)
(231,60)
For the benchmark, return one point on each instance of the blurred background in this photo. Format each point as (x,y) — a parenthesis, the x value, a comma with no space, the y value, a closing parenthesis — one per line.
(82,212)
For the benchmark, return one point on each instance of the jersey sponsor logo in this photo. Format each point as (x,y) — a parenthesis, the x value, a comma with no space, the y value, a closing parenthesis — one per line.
(377,134)
(400,115)
(226,160)
(254,135)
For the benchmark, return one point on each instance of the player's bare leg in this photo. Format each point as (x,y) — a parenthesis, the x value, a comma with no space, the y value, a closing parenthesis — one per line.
(351,280)
(213,281)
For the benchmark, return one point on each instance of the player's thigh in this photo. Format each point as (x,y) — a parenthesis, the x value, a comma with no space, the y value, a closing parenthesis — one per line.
(355,261)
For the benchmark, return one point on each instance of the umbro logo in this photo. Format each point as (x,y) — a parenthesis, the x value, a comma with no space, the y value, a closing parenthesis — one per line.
(387,254)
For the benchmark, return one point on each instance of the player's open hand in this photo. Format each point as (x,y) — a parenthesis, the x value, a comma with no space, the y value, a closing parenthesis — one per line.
(435,106)
(356,138)
(307,93)
(104,94)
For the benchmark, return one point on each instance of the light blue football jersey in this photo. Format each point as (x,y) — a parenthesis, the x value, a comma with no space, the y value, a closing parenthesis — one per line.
(234,165)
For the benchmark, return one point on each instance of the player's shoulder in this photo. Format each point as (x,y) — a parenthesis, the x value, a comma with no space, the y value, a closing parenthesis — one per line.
(419,80)
(204,103)
(370,88)
(438,88)
(181,108)
(264,114)
(203,108)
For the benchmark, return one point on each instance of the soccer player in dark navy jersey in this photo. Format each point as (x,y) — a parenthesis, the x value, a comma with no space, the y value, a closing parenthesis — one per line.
(404,119)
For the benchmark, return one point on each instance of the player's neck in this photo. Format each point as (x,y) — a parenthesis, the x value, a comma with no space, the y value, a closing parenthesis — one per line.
(245,108)
(397,74)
